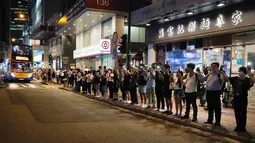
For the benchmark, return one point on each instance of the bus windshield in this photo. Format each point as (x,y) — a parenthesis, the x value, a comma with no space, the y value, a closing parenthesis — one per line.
(22,53)
(21,67)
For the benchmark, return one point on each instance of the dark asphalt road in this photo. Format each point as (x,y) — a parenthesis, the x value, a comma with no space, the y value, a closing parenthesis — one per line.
(35,113)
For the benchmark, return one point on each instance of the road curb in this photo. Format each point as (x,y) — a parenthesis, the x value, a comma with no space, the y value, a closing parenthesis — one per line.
(159,115)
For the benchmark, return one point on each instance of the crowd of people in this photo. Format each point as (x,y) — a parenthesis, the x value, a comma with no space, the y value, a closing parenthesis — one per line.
(156,86)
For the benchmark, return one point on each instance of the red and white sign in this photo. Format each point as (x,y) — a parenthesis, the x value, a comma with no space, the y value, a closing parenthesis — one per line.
(105,45)
(103,48)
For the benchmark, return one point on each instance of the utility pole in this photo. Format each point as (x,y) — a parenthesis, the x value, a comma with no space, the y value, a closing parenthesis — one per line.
(128,51)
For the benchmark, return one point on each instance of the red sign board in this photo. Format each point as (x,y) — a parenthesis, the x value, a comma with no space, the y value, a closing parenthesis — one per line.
(111,5)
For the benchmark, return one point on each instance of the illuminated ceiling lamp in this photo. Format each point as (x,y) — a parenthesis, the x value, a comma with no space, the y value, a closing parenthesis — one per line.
(221,3)
(190,12)
(166,19)
(21,15)
(148,24)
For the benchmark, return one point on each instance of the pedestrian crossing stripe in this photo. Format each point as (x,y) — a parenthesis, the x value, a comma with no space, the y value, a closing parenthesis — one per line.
(46,86)
(23,85)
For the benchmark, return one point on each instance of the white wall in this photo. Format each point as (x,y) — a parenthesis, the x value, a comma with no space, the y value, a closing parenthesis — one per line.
(151,54)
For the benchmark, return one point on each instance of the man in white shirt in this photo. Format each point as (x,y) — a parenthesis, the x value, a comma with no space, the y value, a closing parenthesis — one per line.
(191,91)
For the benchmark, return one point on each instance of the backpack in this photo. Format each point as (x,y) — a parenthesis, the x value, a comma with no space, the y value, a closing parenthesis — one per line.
(222,83)
(198,83)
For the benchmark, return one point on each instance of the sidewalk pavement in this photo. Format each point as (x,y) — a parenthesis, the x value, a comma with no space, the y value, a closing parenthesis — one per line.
(227,120)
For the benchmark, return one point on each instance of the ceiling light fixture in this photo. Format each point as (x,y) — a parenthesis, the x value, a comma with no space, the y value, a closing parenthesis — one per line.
(74,24)
(92,21)
(190,12)
(70,34)
(69,28)
(101,15)
(65,31)
(88,14)
(166,19)
(80,20)
(221,3)
(85,25)
(148,24)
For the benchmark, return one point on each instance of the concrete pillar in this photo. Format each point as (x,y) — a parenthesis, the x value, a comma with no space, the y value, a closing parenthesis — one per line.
(46,57)
(151,55)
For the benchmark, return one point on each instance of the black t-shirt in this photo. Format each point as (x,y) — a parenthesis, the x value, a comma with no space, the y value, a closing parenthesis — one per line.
(103,80)
(142,81)
(240,86)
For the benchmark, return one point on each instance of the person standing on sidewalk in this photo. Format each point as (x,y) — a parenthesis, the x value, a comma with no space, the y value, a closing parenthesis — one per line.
(178,93)
(110,82)
(121,77)
(142,81)
(159,90)
(214,84)
(241,85)
(116,84)
(103,84)
(191,91)
(133,90)
(127,85)
(96,83)
(168,78)
(151,88)
(89,78)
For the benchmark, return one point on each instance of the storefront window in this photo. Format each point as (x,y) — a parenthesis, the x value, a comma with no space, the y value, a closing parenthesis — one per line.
(243,55)
(137,34)
(179,59)
(213,55)
(237,58)
(107,29)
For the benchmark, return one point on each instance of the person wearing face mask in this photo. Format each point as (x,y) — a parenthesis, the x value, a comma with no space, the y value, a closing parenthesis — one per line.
(241,85)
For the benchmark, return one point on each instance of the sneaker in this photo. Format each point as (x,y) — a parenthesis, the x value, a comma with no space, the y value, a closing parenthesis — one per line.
(148,107)
(239,130)
(129,101)
(185,117)
(217,124)
(165,112)
(208,122)
(194,119)
(162,110)
(169,113)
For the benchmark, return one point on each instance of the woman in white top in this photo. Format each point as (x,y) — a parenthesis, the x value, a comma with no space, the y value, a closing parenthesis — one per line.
(178,93)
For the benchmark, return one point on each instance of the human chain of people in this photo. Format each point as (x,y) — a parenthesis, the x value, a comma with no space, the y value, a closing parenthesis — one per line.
(157,85)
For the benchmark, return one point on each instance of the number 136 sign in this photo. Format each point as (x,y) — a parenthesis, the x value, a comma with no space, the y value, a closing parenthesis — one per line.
(103,2)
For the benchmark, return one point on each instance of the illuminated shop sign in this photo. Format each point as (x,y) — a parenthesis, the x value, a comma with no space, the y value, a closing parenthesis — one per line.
(233,20)
(19,58)
(103,48)
(205,23)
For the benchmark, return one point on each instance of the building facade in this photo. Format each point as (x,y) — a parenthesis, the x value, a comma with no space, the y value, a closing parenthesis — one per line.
(19,17)
(203,33)
(93,24)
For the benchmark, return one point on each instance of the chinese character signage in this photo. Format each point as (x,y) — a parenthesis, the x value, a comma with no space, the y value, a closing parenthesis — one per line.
(204,25)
